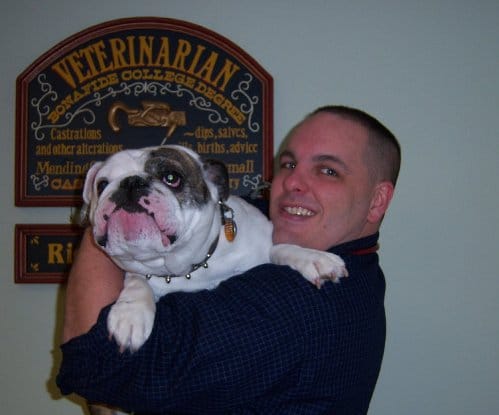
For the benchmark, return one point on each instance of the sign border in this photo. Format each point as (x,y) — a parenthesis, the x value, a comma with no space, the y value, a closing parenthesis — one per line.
(63,47)
(22,232)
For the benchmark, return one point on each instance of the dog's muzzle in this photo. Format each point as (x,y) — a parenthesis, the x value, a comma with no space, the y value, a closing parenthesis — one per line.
(131,213)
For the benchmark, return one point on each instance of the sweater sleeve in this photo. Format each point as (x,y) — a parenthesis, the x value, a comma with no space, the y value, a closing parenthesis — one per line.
(265,342)
(211,349)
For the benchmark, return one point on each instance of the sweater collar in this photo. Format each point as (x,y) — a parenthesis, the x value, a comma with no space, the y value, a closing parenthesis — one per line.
(362,246)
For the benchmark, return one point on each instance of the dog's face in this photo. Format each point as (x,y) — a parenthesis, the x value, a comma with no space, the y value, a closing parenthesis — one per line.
(148,204)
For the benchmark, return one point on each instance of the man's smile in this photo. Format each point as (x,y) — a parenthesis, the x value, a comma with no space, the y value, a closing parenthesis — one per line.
(298,211)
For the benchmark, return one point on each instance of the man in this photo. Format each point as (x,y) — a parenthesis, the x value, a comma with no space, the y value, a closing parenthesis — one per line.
(267,341)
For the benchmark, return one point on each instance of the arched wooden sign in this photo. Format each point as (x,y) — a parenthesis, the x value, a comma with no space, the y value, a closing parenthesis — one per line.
(139,82)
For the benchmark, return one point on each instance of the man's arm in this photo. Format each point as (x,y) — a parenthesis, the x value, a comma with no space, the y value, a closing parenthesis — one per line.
(200,341)
(94,282)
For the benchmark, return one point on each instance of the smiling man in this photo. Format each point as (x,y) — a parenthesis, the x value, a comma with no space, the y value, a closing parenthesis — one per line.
(336,178)
(267,341)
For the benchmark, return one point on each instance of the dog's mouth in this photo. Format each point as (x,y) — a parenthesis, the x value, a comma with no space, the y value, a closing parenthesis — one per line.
(135,226)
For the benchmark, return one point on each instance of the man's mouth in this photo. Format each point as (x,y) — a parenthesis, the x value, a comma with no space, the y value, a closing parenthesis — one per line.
(298,211)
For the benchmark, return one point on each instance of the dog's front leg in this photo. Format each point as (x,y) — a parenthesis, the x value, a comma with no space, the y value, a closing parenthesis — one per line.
(131,318)
(316,266)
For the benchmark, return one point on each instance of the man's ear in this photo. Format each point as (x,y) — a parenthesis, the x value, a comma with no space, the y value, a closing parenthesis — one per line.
(382,196)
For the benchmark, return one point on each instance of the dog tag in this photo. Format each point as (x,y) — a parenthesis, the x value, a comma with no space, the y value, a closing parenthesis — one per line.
(230,229)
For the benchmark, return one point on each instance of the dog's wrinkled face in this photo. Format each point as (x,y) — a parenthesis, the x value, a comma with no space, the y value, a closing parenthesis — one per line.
(145,202)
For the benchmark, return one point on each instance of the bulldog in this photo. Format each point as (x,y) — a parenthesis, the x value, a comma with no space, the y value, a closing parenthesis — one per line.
(167,219)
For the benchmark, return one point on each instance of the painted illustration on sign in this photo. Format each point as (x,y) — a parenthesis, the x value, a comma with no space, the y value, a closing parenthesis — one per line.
(134,83)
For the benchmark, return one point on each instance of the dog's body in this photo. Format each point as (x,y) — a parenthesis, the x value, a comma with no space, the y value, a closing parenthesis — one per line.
(163,215)
(167,219)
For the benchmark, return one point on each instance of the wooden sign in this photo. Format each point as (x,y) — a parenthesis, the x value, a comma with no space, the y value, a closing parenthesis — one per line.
(44,253)
(133,83)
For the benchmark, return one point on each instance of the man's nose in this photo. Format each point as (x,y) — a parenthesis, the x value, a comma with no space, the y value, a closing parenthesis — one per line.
(295,181)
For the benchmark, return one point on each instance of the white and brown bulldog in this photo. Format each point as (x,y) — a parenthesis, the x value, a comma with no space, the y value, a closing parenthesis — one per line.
(166,217)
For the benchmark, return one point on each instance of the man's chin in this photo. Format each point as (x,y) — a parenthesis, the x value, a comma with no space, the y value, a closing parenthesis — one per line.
(286,237)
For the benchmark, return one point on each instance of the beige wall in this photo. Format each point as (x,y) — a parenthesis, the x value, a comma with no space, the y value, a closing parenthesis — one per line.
(430,71)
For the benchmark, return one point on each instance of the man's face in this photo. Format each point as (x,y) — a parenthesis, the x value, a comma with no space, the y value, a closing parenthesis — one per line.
(322,193)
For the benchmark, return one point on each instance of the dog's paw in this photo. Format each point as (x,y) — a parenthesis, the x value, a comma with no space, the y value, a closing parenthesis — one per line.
(131,318)
(131,322)
(316,266)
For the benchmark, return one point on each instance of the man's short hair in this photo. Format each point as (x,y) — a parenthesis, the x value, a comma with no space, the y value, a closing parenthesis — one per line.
(383,153)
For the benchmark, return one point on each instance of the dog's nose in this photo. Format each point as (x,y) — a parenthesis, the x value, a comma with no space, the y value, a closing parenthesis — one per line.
(130,191)
(133,182)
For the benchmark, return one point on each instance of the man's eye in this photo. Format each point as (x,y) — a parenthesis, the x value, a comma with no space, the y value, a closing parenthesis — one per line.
(329,172)
(288,165)
(173,180)
(101,185)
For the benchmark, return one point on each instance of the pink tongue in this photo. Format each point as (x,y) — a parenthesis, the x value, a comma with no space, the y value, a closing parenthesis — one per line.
(135,226)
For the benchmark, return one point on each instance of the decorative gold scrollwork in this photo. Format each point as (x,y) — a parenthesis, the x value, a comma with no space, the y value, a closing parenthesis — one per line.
(153,114)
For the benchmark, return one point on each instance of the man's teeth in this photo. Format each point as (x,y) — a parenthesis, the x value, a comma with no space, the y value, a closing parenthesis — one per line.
(298,211)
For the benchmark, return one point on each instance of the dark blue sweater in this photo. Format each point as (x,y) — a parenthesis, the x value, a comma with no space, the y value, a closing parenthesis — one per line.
(265,342)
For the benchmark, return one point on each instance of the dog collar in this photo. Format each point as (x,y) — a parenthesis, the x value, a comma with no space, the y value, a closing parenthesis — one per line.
(230,231)
(194,267)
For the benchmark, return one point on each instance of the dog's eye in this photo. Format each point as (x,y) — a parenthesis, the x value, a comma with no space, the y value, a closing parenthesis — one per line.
(173,180)
(101,185)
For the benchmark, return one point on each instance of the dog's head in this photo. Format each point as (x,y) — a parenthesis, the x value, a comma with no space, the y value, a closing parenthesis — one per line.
(146,205)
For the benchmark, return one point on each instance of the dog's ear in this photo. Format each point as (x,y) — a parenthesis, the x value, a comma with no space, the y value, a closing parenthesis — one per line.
(217,173)
(89,182)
